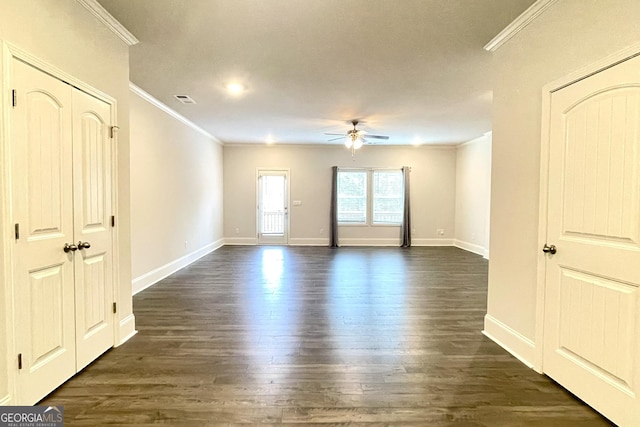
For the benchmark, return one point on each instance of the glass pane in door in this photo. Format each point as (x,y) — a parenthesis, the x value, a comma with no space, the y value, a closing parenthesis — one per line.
(272,215)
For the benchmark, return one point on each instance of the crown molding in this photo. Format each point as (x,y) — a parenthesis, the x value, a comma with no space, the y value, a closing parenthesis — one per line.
(153,101)
(518,24)
(109,21)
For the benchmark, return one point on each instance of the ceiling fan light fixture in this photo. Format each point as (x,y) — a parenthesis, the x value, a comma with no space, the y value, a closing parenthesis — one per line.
(357,143)
(348,142)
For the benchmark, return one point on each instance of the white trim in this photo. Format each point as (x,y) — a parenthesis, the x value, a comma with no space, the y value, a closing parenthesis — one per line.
(345,241)
(484,138)
(6,401)
(519,24)
(14,51)
(6,219)
(126,329)
(241,241)
(582,73)
(311,241)
(471,247)
(109,21)
(152,277)
(153,101)
(432,242)
(521,347)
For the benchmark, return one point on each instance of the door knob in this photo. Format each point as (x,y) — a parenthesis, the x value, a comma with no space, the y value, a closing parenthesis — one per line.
(549,249)
(83,245)
(68,247)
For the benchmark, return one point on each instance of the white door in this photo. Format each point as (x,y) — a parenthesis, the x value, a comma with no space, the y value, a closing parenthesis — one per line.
(273,207)
(592,297)
(92,226)
(42,208)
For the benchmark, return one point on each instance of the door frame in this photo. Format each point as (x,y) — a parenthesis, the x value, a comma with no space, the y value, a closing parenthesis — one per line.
(547,91)
(287,196)
(12,52)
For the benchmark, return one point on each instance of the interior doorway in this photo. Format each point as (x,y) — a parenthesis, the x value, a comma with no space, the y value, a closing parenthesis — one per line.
(273,207)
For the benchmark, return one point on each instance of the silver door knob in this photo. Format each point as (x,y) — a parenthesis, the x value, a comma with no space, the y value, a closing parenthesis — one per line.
(67,247)
(83,245)
(549,249)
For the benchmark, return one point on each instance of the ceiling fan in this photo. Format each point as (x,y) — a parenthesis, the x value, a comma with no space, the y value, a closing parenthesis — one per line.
(354,138)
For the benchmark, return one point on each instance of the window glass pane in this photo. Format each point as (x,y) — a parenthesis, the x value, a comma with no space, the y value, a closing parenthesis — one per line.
(352,197)
(388,197)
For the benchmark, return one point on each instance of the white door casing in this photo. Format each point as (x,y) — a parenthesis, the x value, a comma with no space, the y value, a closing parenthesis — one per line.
(61,193)
(273,207)
(92,211)
(42,207)
(592,284)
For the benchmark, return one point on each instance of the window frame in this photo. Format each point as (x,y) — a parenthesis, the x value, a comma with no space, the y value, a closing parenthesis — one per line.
(369,199)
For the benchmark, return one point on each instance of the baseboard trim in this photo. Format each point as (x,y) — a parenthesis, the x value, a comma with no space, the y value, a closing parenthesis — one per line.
(345,241)
(520,347)
(312,241)
(127,329)
(154,276)
(431,242)
(241,241)
(471,247)
(5,401)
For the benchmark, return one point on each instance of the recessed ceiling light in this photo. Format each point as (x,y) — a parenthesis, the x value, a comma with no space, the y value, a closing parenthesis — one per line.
(417,141)
(270,140)
(235,89)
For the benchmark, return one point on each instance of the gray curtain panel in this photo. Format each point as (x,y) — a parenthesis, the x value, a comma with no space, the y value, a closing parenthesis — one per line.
(333,210)
(406,217)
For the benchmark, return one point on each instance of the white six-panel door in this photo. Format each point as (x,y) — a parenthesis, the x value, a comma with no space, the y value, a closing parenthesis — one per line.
(61,195)
(592,300)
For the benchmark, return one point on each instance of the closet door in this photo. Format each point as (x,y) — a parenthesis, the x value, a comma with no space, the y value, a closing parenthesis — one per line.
(42,204)
(92,225)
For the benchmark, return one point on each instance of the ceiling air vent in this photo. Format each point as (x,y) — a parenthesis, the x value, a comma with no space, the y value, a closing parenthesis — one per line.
(185,99)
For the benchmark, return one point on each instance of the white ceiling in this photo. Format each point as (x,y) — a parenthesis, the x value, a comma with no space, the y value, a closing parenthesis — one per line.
(411,69)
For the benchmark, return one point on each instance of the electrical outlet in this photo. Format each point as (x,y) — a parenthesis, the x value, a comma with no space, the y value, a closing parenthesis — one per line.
(440,231)
(185,244)
(322,231)
(237,231)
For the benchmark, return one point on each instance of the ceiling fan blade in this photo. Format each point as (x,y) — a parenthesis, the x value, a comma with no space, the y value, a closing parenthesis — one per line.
(378,136)
(335,139)
(335,134)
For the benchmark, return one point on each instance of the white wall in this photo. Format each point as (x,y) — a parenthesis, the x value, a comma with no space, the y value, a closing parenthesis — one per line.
(176,192)
(432,191)
(473,189)
(571,34)
(65,35)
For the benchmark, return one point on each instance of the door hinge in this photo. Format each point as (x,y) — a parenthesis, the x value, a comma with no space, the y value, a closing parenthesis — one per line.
(19,360)
(17,231)
(113,130)
(113,220)
(14,98)
(115,308)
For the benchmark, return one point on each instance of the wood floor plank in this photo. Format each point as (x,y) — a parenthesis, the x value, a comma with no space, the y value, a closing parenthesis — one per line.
(317,336)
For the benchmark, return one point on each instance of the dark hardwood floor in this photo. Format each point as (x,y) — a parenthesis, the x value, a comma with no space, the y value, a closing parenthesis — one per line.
(300,335)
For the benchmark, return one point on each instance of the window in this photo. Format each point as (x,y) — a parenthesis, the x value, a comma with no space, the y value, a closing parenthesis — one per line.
(352,197)
(374,194)
(388,197)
